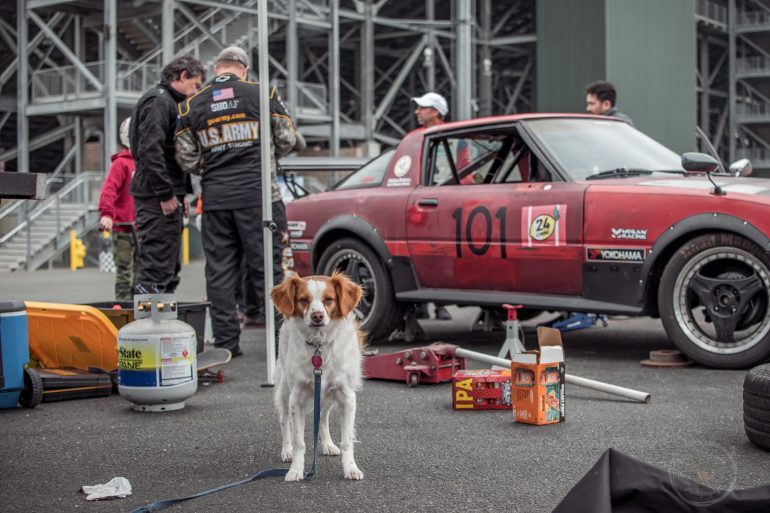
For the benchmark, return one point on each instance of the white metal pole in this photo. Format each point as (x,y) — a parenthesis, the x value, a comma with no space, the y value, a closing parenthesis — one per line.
(642,397)
(267,176)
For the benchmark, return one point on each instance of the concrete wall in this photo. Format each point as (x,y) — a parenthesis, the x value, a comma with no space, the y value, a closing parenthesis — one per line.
(646,48)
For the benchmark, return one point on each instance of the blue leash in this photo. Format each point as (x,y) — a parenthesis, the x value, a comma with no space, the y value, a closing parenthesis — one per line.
(273,472)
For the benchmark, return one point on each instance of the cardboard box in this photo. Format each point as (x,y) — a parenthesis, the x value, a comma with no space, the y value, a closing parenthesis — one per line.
(481,390)
(538,381)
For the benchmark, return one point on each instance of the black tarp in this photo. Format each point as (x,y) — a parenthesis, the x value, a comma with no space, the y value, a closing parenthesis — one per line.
(621,484)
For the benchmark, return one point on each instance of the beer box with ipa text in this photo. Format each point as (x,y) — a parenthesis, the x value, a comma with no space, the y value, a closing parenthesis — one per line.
(481,389)
(537,381)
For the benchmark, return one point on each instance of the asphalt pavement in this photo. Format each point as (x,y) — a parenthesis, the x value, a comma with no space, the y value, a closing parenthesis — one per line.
(417,454)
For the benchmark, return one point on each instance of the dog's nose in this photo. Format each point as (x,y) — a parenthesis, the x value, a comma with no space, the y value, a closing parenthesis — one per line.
(317,317)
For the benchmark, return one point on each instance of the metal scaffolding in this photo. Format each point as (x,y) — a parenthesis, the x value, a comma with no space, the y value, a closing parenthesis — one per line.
(346,68)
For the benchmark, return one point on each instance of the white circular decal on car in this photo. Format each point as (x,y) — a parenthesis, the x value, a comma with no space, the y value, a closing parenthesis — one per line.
(402,166)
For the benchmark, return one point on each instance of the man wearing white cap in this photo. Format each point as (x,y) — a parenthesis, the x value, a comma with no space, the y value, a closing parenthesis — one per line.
(218,136)
(430,111)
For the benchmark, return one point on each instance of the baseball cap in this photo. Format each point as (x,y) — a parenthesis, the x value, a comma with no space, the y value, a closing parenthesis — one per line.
(234,53)
(434,100)
(125,127)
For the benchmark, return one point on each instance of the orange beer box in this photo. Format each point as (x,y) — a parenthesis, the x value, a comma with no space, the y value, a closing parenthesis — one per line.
(481,390)
(537,378)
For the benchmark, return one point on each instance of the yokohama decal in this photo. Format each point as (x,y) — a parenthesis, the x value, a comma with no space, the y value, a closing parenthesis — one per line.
(625,255)
(544,225)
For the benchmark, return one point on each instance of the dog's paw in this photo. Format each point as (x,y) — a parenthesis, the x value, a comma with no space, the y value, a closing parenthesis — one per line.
(354,473)
(329,449)
(286,454)
(293,475)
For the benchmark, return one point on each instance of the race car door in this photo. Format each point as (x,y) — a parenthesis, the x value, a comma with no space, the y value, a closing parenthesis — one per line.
(491,215)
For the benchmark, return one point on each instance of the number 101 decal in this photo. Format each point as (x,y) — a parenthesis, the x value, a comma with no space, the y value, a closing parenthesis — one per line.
(475,247)
(542,224)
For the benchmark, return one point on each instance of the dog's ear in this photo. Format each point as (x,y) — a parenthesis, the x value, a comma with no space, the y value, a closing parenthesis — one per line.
(349,293)
(283,295)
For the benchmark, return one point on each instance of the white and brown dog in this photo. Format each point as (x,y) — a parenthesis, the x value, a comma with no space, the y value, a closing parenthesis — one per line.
(318,313)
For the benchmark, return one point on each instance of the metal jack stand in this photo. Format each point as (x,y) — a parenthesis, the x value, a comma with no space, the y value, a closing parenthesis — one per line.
(513,337)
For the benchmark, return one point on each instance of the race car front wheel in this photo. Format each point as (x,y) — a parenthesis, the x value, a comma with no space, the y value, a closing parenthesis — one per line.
(714,301)
(379,313)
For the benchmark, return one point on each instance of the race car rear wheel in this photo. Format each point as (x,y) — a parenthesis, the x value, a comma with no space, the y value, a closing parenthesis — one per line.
(379,311)
(714,301)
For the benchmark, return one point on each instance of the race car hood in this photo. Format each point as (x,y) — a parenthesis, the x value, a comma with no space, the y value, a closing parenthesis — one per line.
(758,186)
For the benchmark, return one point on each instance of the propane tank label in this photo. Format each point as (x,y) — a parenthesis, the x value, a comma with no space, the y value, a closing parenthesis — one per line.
(176,360)
(137,359)
(156,360)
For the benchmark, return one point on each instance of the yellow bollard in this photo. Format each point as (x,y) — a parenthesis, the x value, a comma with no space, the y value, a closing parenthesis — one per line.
(77,252)
(186,246)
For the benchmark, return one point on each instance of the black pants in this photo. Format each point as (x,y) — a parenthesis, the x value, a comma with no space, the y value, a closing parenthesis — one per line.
(228,237)
(160,246)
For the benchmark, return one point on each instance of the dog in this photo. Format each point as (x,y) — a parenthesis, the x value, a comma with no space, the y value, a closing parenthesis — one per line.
(318,316)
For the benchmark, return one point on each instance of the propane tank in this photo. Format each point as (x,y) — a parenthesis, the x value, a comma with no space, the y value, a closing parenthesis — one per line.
(157,360)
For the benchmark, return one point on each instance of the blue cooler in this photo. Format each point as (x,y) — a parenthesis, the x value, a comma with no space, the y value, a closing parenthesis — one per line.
(14,351)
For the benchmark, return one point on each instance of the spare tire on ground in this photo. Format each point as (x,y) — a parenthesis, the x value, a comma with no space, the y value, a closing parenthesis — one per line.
(756,406)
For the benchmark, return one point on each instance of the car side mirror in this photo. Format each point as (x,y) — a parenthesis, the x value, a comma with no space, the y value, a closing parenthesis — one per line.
(695,162)
(741,167)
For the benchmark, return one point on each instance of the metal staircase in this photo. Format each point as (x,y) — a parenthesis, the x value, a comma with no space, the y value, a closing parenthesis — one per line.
(41,230)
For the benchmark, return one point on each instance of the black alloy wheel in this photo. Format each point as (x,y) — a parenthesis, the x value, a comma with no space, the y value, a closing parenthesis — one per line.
(714,301)
(378,311)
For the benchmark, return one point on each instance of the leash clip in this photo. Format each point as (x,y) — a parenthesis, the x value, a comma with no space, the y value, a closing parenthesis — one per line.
(317,361)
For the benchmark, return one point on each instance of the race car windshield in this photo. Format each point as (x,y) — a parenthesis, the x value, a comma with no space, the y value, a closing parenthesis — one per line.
(587,147)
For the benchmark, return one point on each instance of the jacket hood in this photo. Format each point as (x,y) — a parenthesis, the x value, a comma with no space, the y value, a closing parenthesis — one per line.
(124,154)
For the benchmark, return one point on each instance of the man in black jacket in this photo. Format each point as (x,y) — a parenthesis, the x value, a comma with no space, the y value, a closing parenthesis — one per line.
(159,185)
(218,136)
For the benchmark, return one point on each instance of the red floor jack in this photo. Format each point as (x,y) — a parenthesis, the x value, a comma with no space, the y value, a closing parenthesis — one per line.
(435,363)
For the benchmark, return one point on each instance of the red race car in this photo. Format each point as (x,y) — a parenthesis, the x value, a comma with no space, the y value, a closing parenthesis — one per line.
(557,212)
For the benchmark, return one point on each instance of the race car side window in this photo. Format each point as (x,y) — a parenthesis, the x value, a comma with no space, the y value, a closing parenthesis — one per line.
(369,175)
(463,160)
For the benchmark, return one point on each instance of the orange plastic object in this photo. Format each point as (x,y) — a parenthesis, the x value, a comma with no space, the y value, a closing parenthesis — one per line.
(79,336)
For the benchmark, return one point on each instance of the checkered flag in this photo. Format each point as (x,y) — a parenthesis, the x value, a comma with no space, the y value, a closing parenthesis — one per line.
(106,260)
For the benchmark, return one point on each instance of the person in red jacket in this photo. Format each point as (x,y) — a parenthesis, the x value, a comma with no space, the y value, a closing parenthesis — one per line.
(116,208)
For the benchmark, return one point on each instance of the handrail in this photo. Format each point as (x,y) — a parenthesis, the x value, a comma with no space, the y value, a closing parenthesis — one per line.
(46,205)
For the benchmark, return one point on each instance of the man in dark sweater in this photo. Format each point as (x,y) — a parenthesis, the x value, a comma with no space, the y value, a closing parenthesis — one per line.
(159,185)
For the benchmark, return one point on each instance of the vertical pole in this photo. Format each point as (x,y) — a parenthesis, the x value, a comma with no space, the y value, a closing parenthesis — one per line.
(430,49)
(485,70)
(167,31)
(267,176)
(705,97)
(22,90)
(186,246)
(367,75)
(22,122)
(463,60)
(292,60)
(334,78)
(109,81)
(731,57)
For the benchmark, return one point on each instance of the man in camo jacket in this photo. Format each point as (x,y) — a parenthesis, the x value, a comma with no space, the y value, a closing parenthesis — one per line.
(218,136)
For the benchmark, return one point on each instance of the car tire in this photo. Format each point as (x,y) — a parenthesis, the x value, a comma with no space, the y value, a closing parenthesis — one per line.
(754,413)
(756,401)
(758,438)
(380,312)
(714,302)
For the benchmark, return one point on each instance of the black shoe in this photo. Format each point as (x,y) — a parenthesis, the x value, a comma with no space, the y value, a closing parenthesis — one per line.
(234,351)
(442,314)
(253,321)
(421,311)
